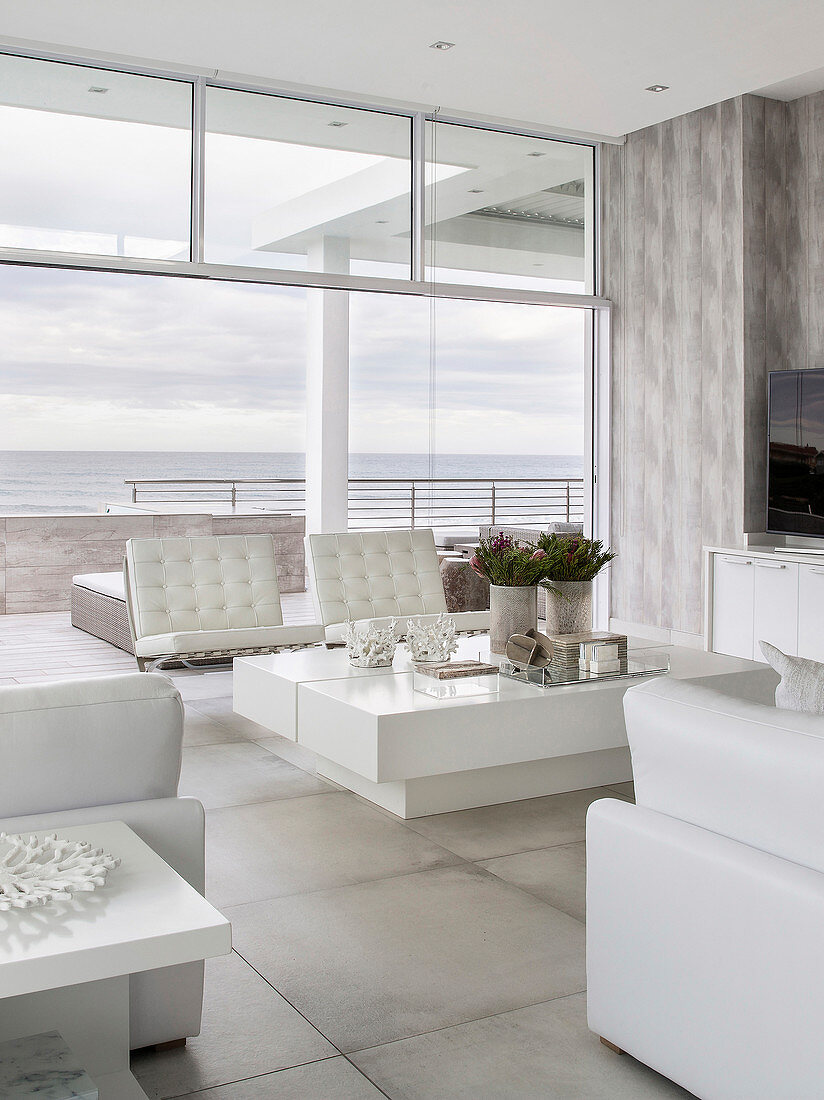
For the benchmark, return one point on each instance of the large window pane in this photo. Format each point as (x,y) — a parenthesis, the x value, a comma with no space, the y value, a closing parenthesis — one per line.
(455,395)
(306,186)
(507,210)
(105,377)
(94,161)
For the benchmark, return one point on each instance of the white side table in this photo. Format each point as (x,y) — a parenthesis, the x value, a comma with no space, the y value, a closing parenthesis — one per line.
(65,967)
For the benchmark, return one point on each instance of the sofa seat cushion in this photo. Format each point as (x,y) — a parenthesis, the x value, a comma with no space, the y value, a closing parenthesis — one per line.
(210,641)
(106,584)
(464,622)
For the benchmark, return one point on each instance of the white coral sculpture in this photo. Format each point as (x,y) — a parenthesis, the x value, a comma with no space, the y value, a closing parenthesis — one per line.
(371,646)
(35,872)
(431,641)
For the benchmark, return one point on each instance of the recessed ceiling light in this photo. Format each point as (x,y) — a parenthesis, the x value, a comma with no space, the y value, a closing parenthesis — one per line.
(536,154)
(475,191)
(96,88)
(657,88)
(337,124)
(441,45)
(382,221)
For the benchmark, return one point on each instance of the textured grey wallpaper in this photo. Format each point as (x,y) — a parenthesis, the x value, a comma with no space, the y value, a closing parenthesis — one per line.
(684,262)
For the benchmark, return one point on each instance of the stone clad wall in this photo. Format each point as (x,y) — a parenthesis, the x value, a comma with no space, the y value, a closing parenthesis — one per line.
(39,555)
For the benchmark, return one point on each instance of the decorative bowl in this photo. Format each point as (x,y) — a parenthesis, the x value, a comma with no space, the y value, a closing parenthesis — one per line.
(35,872)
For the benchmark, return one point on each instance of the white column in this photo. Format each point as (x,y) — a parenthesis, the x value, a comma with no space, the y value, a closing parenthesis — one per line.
(327,393)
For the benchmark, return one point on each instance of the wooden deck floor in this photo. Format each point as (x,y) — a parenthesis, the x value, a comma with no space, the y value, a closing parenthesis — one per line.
(37,648)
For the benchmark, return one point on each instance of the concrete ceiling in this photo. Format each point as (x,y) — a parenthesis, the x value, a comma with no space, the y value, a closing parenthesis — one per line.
(576,66)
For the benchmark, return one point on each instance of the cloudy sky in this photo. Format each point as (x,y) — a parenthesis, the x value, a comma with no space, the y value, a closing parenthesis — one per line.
(93,361)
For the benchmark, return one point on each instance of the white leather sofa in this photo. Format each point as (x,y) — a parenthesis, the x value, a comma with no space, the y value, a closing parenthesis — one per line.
(705,901)
(376,576)
(109,749)
(209,596)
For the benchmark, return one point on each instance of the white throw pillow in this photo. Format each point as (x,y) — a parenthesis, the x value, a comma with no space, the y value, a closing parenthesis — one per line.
(802,681)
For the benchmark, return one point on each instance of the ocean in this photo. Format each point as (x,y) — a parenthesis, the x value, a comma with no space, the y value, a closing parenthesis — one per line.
(81,481)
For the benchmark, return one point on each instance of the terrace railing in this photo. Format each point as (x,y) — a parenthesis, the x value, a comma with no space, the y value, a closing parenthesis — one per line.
(385,502)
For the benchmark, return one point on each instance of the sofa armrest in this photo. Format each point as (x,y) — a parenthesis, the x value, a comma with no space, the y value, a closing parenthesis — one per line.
(92,742)
(747,771)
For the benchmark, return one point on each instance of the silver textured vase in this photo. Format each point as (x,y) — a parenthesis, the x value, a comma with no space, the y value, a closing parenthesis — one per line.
(569,607)
(512,610)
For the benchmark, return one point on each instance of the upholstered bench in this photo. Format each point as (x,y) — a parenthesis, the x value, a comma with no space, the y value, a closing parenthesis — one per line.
(99,608)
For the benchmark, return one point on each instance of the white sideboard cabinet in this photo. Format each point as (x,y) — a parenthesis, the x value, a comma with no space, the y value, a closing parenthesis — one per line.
(755,595)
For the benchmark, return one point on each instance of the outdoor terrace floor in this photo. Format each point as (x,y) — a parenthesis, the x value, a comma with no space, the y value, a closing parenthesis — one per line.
(429,959)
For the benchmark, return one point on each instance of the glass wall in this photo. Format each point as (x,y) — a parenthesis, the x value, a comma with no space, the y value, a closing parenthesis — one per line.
(515,211)
(94,161)
(105,377)
(307,186)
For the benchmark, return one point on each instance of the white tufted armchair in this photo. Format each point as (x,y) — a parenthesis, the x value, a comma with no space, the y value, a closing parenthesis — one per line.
(375,575)
(210,596)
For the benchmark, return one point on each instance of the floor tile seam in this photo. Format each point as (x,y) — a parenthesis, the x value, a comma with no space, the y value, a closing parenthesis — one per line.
(464,1023)
(349,885)
(294,1007)
(531,851)
(254,1077)
(529,893)
(264,801)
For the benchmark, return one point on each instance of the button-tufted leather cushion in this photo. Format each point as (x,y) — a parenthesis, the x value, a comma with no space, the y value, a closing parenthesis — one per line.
(209,583)
(374,574)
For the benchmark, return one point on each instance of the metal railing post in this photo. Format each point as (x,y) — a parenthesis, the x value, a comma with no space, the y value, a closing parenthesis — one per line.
(412,505)
(234,495)
(493,503)
(567,499)
(134,493)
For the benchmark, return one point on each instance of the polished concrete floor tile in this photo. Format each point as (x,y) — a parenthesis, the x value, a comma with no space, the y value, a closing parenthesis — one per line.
(512,826)
(196,684)
(379,961)
(200,730)
(301,844)
(332,1079)
(544,1052)
(555,875)
(248,1029)
(296,754)
(220,709)
(241,773)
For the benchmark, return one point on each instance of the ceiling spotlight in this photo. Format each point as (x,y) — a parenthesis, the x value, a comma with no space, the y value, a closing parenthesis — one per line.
(536,154)
(442,45)
(337,124)
(475,191)
(382,221)
(657,88)
(96,88)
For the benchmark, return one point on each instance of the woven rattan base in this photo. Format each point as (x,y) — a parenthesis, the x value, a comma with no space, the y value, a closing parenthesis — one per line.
(101,615)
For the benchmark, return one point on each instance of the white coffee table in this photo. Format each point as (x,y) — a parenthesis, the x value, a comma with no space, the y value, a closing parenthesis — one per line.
(66,966)
(416,755)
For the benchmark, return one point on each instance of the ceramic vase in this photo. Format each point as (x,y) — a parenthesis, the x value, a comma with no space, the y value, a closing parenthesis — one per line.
(512,610)
(569,607)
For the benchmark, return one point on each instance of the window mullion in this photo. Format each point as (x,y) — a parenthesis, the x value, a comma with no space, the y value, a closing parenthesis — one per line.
(198,175)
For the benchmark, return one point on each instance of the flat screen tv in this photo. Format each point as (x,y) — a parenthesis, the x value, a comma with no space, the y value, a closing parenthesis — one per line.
(795,464)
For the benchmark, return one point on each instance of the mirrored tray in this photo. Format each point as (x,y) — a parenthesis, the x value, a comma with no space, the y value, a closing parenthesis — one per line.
(639,662)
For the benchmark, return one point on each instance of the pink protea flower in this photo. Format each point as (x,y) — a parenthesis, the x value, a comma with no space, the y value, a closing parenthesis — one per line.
(475,565)
(539,555)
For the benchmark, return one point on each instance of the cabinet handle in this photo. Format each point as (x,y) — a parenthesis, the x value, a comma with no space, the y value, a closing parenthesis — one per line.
(812,569)
(770,565)
(737,561)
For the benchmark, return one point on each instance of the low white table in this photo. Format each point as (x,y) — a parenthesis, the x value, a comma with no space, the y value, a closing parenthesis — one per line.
(65,967)
(416,755)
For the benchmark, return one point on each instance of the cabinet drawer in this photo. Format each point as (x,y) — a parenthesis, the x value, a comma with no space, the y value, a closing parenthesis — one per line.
(811,612)
(733,605)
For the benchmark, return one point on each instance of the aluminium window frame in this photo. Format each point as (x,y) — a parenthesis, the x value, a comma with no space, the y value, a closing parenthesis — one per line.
(598,338)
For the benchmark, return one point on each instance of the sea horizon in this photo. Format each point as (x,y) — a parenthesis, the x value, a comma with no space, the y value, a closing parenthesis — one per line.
(43,482)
